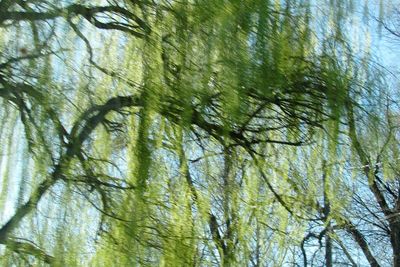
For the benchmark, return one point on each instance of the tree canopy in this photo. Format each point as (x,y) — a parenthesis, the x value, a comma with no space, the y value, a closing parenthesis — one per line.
(197,133)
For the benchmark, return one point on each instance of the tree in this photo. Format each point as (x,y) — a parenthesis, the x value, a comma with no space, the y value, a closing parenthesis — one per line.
(176,136)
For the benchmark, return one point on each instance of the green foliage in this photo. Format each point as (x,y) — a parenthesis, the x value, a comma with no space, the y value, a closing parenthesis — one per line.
(181,133)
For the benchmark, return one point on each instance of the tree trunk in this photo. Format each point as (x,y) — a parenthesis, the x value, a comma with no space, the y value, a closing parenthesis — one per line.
(395,241)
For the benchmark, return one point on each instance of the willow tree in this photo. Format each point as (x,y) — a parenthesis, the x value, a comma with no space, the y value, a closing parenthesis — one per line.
(172,132)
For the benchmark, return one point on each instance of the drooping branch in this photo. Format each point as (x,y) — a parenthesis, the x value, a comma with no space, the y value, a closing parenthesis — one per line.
(212,219)
(19,245)
(88,123)
(89,13)
(83,128)
(26,208)
(368,171)
(360,240)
